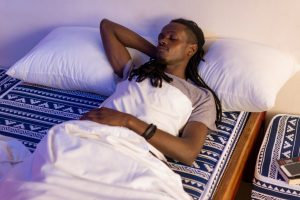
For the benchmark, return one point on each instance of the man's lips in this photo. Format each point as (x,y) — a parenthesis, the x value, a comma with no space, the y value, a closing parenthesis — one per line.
(161,48)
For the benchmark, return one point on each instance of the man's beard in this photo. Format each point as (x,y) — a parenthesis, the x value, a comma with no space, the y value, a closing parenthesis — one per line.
(161,61)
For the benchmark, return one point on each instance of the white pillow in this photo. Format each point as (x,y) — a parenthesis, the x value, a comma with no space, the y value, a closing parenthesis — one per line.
(245,75)
(69,58)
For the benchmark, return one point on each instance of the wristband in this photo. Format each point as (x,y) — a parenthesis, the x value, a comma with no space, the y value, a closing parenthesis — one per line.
(149,132)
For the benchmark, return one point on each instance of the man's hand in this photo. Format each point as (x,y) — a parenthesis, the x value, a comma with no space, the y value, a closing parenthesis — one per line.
(107,116)
(184,149)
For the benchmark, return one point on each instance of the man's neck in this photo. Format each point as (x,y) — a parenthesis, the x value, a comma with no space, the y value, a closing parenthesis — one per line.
(178,71)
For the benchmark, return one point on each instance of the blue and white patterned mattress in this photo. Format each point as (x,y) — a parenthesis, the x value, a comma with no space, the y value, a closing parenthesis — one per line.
(282,140)
(27,111)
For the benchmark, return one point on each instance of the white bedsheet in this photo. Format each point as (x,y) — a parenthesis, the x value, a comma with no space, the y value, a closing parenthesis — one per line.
(87,160)
(12,152)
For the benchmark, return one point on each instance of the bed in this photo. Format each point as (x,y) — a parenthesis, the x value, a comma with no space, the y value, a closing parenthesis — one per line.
(28,111)
(60,79)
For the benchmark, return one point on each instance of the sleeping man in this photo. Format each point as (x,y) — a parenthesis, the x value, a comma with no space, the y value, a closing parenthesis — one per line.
(160,109)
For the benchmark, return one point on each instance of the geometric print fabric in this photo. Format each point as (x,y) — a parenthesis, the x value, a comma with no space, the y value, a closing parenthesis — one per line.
(282,140)
(27,111)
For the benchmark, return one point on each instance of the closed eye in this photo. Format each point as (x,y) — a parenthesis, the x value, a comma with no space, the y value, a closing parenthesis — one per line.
(173,37)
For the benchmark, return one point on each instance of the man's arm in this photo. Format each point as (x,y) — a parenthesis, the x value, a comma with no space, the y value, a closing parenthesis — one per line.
(116,38)
(184,149)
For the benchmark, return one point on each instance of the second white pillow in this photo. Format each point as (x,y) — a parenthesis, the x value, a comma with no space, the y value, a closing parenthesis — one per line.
(245,75)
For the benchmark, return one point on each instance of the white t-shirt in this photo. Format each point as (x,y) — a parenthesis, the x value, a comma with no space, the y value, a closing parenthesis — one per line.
(202,100)
(169,107)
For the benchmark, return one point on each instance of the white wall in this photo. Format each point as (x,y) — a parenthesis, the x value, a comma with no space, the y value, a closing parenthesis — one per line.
(272,22)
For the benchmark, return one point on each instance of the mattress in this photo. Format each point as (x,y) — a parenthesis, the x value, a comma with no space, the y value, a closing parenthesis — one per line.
(27,111)
(282,140)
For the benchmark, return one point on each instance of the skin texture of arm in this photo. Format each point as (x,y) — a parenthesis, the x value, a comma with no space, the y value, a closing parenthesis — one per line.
(173,48)
(116,38)
(184,149)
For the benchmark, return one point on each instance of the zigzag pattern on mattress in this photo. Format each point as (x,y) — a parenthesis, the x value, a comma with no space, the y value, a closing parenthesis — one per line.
(202,179)
(27,111)
(282,140)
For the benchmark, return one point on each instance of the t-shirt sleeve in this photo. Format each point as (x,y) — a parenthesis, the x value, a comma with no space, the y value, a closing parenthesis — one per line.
(126,71)
(204,109)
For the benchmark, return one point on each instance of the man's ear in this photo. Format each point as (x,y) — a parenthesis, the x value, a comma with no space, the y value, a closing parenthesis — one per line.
(192,49)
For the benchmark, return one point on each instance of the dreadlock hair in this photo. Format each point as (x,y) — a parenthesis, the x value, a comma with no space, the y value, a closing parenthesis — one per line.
(154,70)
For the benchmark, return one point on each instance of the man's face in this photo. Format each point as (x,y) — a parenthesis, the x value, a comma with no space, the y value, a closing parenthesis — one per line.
(172,44)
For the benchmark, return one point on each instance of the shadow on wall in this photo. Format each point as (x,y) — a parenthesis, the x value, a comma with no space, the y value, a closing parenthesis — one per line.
(15,49)
(19,47)
(153,26)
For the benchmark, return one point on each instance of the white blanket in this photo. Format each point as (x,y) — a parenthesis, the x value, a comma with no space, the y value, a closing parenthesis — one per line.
(12,152)
(87,160)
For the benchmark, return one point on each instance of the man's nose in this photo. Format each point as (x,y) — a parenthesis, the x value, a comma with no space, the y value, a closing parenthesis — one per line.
(162,42)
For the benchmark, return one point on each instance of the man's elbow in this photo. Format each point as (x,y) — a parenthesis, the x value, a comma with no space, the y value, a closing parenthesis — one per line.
(189,158)
(188,162)
(104,24)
